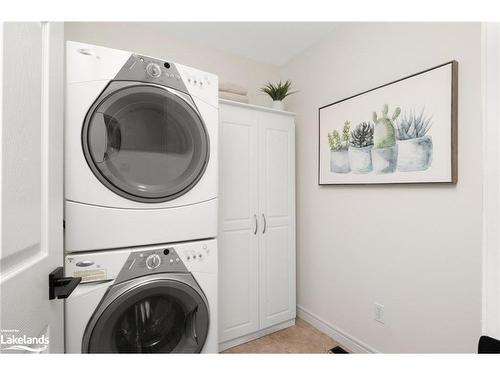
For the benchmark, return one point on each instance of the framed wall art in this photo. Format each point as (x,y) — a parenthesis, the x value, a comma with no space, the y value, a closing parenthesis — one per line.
(401,132)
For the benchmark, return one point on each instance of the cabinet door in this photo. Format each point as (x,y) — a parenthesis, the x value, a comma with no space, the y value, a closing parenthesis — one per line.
(277,219)
(238,232)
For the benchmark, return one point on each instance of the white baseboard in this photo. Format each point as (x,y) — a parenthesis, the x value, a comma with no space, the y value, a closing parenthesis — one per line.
(348,342)
(256,335)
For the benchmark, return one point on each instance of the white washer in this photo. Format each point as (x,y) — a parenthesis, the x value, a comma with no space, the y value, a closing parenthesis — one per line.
(140,150)
(156,299)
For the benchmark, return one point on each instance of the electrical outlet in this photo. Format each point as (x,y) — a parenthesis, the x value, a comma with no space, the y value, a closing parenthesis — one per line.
(379,313)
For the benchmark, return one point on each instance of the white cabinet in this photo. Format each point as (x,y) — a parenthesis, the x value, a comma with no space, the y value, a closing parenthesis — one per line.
(257,222)
(238,232)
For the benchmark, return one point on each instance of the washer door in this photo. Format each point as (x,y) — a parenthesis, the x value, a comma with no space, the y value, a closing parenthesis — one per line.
(161,316)
(145,143)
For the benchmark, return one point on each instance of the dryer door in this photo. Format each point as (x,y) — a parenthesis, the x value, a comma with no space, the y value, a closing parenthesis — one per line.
(160,316)
(145,142)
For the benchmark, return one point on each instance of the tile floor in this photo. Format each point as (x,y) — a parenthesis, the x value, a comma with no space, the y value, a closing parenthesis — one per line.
(300,338)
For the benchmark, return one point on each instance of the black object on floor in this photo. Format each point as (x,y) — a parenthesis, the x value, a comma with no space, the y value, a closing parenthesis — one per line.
(337,350)
(488,345)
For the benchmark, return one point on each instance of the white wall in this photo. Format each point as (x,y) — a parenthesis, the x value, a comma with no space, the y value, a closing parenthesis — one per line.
(414,249)
(148,39)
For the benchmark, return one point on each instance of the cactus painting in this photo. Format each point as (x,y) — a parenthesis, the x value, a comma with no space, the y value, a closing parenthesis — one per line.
(415,145)
(360,148)
(385,149)
(385,132)
(339,145)
(402,132)
(362,135)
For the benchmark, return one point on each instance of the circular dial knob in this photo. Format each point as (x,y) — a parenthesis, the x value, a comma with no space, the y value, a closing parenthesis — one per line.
(153,70)
(153,261)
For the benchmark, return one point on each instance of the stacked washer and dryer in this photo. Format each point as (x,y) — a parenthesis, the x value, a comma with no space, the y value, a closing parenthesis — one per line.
(140,203)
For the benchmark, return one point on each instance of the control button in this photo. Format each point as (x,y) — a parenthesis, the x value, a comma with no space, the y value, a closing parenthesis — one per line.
(171,261)
(153,261)
(194,256)
(199,255)
(153,70)
(188,257)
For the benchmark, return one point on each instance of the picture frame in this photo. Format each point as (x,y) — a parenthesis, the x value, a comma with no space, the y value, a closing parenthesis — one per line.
(410,136)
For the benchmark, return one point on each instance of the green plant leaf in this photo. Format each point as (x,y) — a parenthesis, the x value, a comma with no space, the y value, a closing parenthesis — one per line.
(278,91)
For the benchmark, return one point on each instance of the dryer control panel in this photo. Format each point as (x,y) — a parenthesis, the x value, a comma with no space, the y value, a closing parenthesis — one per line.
(149,69)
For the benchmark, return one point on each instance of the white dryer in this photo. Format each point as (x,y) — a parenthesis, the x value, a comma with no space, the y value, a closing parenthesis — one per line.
(156,299)
(140,150)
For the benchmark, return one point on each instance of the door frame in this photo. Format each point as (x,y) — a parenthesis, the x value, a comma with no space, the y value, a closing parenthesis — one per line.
(490,86)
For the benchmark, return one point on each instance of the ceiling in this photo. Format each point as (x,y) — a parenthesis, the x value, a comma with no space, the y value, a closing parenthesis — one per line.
(266,42)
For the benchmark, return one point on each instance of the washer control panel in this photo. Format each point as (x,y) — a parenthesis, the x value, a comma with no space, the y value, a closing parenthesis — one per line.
(153,259)
(140,263)
(124,264)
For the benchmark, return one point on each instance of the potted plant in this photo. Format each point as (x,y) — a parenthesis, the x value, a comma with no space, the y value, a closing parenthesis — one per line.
(278,92)
(339,145)
(385,149)
(414,145)
(361,144)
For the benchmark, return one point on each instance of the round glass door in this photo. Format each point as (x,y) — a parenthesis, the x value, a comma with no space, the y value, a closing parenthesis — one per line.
(145,143)
(164,316)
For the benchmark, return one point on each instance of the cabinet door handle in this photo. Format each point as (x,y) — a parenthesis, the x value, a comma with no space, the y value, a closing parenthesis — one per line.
(256,224)
(265,223)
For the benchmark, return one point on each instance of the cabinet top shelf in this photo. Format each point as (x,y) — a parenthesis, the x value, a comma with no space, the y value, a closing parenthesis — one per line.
(256,107)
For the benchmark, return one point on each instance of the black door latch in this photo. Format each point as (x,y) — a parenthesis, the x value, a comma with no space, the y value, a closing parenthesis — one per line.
(60,286)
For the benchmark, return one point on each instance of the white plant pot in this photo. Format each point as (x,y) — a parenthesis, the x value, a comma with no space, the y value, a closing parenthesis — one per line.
(339,161)
(385,160)
(415,154)
(278,104)
(360,159)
